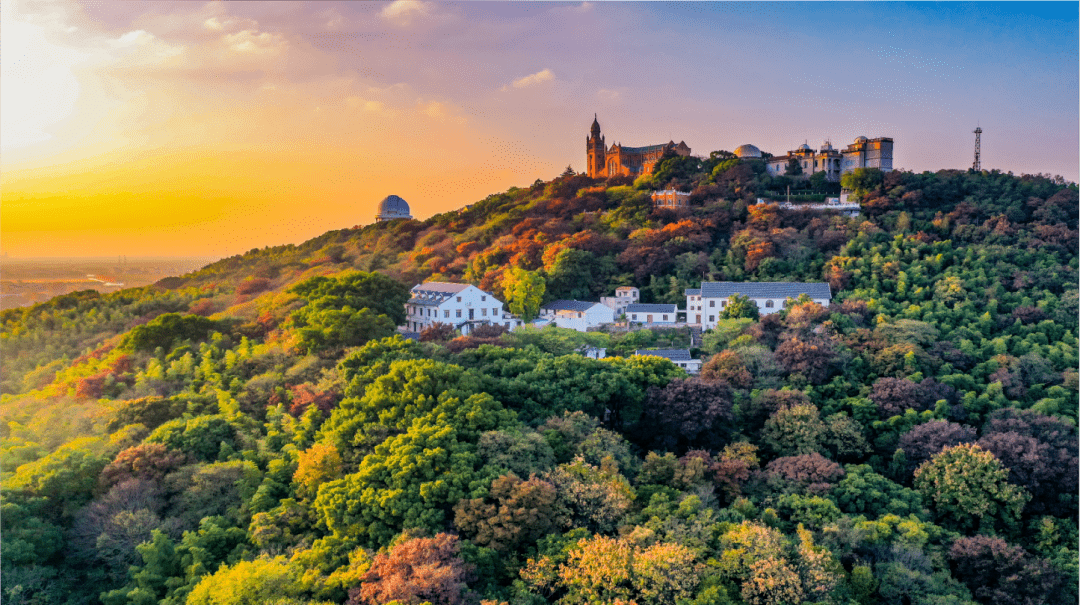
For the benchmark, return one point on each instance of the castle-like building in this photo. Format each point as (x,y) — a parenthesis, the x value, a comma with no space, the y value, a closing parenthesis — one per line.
(863,153)
(617,160)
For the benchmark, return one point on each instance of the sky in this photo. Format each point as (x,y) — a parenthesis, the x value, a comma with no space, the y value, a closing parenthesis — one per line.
(209,128)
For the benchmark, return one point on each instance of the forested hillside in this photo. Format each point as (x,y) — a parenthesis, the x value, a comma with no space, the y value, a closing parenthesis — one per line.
(254,432)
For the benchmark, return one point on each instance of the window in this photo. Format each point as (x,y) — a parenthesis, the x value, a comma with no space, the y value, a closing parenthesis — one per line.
(665,317)
(483,311)
(712,303)
(723,303)
(459,312)
(712,318)
(483,298)
(446,313)
(495,312)
(459,299)
(634,317)
(768,304)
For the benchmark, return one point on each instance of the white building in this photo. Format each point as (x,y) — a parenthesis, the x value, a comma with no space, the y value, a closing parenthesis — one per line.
(594,352)
(463,306)
(679,357)
(693,306)
(652,314)
(704,305)
(577,315)
(624,296)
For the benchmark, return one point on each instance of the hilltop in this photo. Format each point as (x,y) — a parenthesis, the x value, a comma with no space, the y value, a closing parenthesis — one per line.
(253,430)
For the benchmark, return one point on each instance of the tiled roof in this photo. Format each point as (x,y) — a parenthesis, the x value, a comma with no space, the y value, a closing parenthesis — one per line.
(642,308)
(692,291)
(672,354)
(765,289)
(569,305)
(646,149)
(439,286)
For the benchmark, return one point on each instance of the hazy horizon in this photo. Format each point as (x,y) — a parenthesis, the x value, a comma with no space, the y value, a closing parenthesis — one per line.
(192,129)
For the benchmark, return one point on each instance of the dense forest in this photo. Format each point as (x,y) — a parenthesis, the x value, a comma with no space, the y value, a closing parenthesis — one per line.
(256,432)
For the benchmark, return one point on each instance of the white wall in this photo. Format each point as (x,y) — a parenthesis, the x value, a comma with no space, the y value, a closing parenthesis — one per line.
(484,307)
(592,317)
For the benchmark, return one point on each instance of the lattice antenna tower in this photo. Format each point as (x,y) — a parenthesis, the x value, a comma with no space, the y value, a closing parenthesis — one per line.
(977,166)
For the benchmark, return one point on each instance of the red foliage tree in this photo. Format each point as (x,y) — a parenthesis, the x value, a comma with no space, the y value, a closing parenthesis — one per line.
(728,366)
(813,471)
(685,414)
(924,441)
(305,395)
(810,356)
(415,571)
(91,387)
(147,461)
(896,395)
(1041,454)
(438,332)
(516,512)
(253,285)
(1001,574)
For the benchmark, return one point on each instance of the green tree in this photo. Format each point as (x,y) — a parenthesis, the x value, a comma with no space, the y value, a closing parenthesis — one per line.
(969,489)
(793,168)
(862,180)
(409,481)
(740,306)
(524,292)
(353,289)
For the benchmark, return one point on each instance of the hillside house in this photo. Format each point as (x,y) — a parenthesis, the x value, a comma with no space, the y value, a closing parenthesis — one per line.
(577,314)
(624,296)
(652,314)
(705,305)
(463,306)
(679,357)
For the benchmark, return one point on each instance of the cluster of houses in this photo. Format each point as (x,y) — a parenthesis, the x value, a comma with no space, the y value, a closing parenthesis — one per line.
(464,307)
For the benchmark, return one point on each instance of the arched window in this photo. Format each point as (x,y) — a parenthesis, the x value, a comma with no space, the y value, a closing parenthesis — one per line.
(768,304)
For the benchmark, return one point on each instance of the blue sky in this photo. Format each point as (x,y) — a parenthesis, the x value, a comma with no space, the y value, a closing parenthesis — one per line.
(313,112)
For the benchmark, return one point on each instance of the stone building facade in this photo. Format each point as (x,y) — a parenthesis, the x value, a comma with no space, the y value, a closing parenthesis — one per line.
(670,198)
(827,160)
(604,162)
(869,153)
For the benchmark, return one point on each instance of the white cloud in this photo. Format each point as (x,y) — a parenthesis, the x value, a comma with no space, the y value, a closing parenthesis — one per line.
(544,75)
(608,95)
(214,24)
(403,12)
(248,41)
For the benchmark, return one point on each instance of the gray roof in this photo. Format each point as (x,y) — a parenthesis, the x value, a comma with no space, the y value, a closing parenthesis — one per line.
(434,293)
(410,335)
(642,308)
(439,286)
(569,305)
(672,354)
(765,289)
(645,149)
(693,291)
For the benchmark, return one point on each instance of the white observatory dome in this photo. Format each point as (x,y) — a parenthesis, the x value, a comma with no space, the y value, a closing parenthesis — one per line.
(392,207)
(747,151)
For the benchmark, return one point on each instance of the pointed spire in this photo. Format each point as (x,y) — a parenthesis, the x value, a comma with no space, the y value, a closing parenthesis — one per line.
(595,130)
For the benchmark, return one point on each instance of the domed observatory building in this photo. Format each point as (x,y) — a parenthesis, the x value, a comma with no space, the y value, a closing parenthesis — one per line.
(391,208)
(747,151)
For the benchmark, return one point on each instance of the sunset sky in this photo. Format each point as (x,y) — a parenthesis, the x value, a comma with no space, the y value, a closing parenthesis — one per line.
(189,128)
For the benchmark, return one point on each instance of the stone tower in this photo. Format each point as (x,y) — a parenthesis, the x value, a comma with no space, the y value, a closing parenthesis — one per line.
(594,149)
